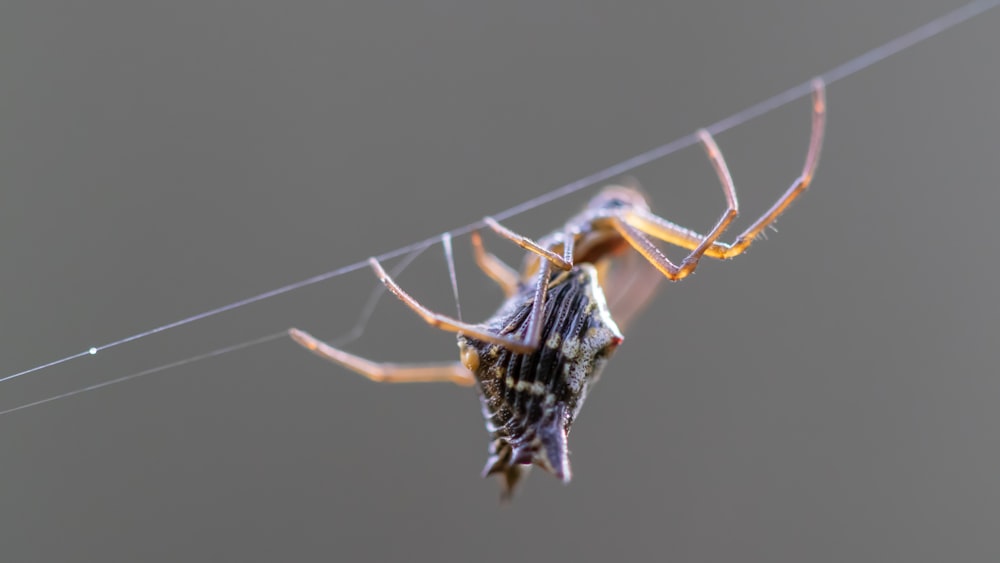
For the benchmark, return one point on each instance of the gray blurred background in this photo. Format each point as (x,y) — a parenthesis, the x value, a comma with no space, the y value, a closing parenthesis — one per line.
(830,396)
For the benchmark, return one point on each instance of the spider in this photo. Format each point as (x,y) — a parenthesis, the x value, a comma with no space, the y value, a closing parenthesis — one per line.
(536,358)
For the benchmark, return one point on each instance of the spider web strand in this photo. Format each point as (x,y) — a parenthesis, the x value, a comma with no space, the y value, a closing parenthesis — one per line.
(853,66)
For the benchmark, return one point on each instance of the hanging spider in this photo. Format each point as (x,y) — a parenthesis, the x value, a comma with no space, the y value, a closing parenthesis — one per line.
(537,357)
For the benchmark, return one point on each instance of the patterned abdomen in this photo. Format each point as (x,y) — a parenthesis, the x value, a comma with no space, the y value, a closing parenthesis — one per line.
(531,400)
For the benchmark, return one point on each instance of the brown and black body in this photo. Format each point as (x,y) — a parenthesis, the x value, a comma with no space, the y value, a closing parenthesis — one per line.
(531,400)
(537,357)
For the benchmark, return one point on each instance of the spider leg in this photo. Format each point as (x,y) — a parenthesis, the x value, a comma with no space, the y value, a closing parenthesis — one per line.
(561,262)
(547,259)
(672,233)
(535,319)
(454,372)
(569,244)
(635,235)
(505,276)
(449,324)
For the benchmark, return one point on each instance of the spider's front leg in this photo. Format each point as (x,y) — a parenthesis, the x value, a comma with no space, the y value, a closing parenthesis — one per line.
(635,234)
(479,332)
(546,260)
(639,223)
(564,262)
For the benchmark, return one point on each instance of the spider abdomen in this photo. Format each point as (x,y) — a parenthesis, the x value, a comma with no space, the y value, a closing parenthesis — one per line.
(531,400)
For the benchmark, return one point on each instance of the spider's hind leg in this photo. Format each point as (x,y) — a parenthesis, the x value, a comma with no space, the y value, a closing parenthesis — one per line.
(454,372)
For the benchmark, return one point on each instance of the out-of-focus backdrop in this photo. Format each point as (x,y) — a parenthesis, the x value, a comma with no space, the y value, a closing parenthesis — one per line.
(832,395)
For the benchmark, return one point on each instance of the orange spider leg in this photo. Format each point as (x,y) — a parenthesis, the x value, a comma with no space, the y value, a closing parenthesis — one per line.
(562,262)
(454,372)
(505,276)
(672,233)
(478,332)
(637,239)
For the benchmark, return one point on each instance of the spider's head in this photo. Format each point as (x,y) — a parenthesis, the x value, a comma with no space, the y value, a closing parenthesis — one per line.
(627,195)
